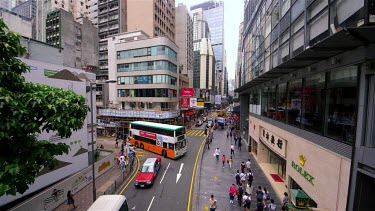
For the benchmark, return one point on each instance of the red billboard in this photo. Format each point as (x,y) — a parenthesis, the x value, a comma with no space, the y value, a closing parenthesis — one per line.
(147,134)
(185,102)
(187,92)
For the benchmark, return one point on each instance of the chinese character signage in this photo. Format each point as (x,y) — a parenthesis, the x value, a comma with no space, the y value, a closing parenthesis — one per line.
(184,102)
(187,92)
(273,141)
(200,102)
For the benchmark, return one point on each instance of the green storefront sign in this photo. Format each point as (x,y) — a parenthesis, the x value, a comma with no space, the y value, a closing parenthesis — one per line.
(303,172)
(48,72)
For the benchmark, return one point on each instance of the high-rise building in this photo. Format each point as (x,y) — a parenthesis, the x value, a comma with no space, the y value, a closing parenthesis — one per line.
(238,72)
(92,11)
(79,40)
(213,12)
(17,23)
(307,99)
(8,4)
(184,40)
(27,9)
(77,7)
(158,17)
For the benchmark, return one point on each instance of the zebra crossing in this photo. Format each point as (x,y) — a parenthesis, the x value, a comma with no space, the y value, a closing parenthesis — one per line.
(195,133)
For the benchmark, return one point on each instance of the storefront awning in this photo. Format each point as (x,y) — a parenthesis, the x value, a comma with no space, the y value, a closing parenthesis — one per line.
(344,40)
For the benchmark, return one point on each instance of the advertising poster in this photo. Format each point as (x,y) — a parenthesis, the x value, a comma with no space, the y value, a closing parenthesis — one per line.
(200,102)
(193,102)
(187,92)
(217,99)
(207,95)
(184,102)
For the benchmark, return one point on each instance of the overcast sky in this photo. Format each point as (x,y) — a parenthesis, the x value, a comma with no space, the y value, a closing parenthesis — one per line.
(233,16)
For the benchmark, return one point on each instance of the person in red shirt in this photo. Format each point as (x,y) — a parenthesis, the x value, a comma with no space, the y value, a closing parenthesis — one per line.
(223,160)
(232,192)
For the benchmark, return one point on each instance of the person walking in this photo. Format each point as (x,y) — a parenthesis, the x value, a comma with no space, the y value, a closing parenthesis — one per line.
(223,160)
(272,205)
(230,134)
(231,149)
(232,192)
(212,203)
(208,142)
(239,194)
(122,164)
(250,176)
(259,193)
(71,200)
(238,177)
(248,165)
(243,179)
(230,161)
(243,166)
(235,139)
(286,198)
(246,201)
(249,188)
(259,205)
(266,196)
(217,153)
(116,143)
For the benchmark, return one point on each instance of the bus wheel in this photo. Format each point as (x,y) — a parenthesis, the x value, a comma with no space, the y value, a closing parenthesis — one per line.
(141,146)
(164,153)
(136,144)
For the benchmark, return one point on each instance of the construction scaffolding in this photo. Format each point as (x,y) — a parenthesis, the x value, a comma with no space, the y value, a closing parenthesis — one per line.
(115,122)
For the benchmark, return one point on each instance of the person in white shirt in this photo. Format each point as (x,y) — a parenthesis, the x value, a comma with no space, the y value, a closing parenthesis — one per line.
(217,153)
(248,165)
(243,179)
(246,201)
(231,149)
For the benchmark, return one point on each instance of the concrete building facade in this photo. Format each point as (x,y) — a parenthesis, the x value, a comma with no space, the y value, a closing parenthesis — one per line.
(158,17)
(184,40)
(307,107)
(8,4)
(239,66)
(79,40)
(26,9)
(17,23)
(77,7)
(92,11)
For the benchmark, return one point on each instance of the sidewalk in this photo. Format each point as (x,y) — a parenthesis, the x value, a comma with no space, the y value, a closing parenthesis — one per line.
(83,198)
(212,178)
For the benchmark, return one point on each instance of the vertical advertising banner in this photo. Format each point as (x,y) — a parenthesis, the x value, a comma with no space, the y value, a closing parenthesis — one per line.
(187,92)
(200,102)
(184,102)
(193,102)
(207,95)
(217,99)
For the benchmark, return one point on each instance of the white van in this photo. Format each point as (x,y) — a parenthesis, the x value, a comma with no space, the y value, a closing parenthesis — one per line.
(110,203)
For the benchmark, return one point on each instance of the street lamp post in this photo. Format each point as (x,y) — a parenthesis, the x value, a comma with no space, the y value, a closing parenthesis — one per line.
(92,138)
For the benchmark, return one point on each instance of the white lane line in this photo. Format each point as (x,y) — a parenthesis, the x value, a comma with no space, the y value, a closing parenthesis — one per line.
(164,173)
(150,203)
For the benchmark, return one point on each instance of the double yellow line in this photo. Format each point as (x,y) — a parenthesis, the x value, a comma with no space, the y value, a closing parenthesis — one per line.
(135,174)
(193,173)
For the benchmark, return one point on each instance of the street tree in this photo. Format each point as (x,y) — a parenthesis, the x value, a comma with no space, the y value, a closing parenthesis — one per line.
(26,110)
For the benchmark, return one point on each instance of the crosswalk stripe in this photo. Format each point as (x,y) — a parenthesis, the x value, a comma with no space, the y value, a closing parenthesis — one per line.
(195,133)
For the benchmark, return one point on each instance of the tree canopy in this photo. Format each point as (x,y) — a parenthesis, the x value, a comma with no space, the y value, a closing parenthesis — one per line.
(26,110)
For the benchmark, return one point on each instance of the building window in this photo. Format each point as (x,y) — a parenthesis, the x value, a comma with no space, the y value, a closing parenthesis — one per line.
(371,11)
(342,104)
(294,102)
(152,65)
(363,192)
(281,102)
(313,103)
(271,102)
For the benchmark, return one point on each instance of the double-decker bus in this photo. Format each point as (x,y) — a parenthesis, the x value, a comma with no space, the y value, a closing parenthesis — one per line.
(162,139)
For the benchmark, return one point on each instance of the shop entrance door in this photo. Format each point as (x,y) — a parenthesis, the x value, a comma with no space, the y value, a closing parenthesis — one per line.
(278,163)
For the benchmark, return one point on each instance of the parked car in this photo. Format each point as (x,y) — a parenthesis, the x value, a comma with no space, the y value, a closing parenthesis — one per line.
(147,173)
(198,123)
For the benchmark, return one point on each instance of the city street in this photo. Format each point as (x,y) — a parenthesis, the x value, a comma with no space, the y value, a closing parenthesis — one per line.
(166,192)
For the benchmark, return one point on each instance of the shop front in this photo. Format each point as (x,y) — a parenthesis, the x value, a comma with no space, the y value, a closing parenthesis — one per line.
(320,173)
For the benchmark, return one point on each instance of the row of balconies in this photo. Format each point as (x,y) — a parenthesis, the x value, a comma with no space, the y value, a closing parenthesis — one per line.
(103,67)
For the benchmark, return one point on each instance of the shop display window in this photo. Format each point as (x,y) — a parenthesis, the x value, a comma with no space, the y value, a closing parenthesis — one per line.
(271,102)
(342,104)
(281,103)
(294,102)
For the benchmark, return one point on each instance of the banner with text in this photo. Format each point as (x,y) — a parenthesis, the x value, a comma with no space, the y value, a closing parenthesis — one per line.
(200,102)
(193,102)
(187,92)
(184,102)
(217,99)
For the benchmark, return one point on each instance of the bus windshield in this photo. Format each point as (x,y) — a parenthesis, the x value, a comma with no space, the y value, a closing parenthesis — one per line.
(180,145)
(180,132)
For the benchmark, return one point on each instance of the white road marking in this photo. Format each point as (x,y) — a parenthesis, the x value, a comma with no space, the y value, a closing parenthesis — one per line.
(179,173)
(164,173)
(150,203)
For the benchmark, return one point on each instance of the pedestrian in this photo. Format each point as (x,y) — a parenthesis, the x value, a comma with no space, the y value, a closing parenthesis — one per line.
(243,178)
(232,192)
(235,139)
(223,159)
(231,149)
(230,161)
(266,196)
(249,188)
(243,166)
(286,198)
(259,193)
(116,144)
(239,194)
(227,135)
(217,153)
(205,131)
(208,142)
(250,176)
(238,177)
(230,134)
(248,165)
(246,201)
(272,205)
(212,203)
(259,205)
(239,144)
(70,200)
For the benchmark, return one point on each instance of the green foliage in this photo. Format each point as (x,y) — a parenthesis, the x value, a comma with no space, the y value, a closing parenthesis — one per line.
(235,100)
(27,109)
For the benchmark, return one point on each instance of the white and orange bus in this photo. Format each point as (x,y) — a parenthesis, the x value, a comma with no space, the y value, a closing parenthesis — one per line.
(162,139)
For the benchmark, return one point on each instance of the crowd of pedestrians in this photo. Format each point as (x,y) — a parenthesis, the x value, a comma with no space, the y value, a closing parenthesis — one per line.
(242,191)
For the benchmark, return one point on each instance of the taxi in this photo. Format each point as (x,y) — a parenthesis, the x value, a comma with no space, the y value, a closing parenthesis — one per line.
(147,173)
